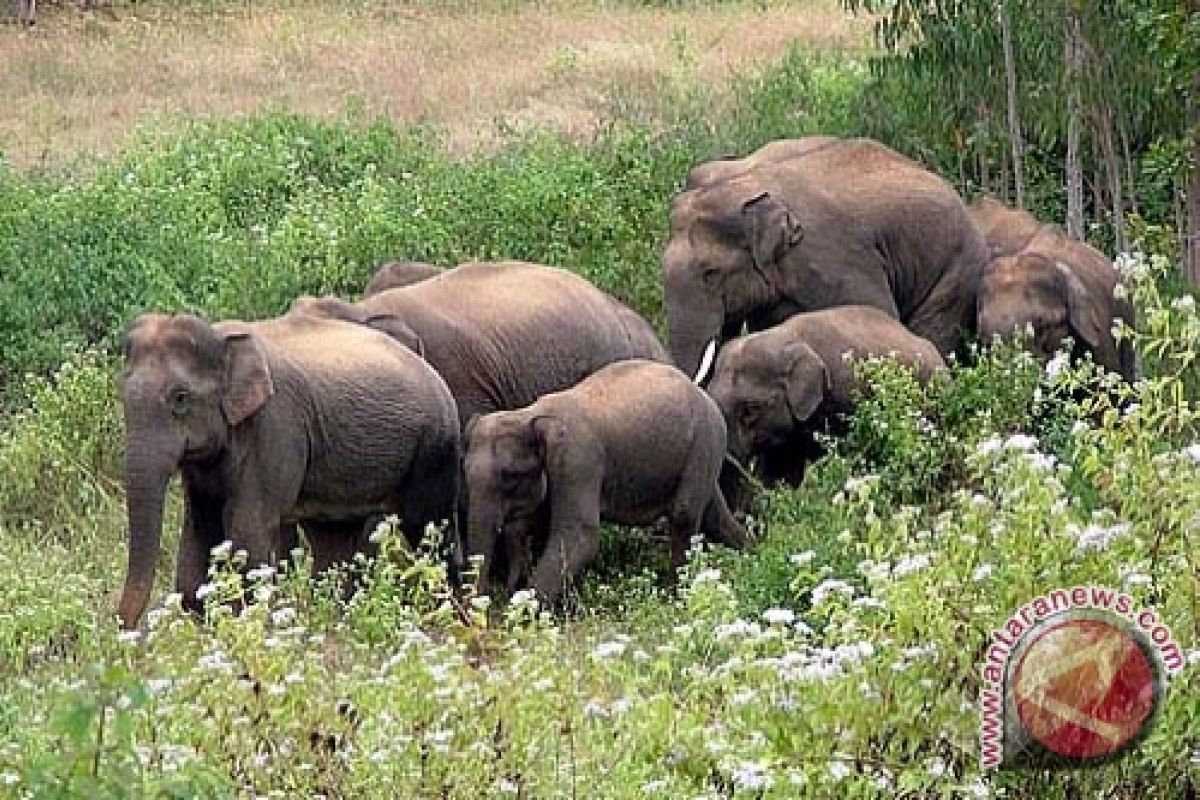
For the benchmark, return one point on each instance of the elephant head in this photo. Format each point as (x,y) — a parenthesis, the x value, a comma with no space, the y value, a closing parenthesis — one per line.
(767,388)
(721,264)
(505,457)
(185,386)
(1032,291)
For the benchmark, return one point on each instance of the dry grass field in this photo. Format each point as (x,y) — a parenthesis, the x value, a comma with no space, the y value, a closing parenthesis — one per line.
(79,83)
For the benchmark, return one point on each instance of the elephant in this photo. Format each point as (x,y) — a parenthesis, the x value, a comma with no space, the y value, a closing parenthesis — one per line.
(294,420)
(502,334)
(778,387)
(395,274)
(850,222)
(634,442)
(1040,277)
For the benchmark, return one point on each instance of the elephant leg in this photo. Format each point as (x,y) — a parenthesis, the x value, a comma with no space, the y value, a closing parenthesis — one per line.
(570,549)
(335,544)
(202,530)
(431,497)
(719,525)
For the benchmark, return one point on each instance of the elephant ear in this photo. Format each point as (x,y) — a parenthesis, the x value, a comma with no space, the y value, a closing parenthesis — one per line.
(248,382)
(398,329)
(807,380)
(549,435)
(1083,310)
(770,229)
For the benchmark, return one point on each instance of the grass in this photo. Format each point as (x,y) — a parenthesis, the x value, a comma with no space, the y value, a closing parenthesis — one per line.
(84,83)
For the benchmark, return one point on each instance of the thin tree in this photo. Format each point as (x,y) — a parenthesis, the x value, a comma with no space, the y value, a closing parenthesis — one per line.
(1074,76)
(1014,117)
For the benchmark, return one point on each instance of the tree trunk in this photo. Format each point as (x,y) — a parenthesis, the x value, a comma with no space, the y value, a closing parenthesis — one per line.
(1014,117)
(1192,256)
(1112,170)
(1074,65)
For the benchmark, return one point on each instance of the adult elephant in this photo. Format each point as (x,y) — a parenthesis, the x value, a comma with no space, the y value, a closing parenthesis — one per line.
(849,222)
(395,274)
(1041,278)
(503,334)
(296,420)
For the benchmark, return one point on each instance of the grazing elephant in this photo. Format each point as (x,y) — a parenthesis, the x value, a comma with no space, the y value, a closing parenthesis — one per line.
(849,222)
(295,420)
(632,443)
(1040,277)
(778,387)
(504,334)
(395,274)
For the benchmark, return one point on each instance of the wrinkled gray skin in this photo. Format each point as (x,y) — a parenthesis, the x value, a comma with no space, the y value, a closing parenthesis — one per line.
(296,420)
(395,274)
(850,222)
(634,442)
(781,150)
(503,334)
(776,388)
(1041,278)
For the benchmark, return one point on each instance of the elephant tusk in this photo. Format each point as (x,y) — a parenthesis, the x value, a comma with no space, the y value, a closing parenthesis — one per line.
(706,362)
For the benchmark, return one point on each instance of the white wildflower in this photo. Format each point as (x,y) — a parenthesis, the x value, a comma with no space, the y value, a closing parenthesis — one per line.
(204,590)
(752,776)
(1192,452)
(1185,303)
(868,602)
(1099,537)
(1120,292)
(909,564)
(706,576)
(936,768)
(1057,365)
(263,572)
(988,446)
(800,559)
(1021,442)
(609,649)
(283,616)
(779,616)
(829,587)
(653,787)
(129,637)
(737,628)
(222,550)
(983,571)
(838,770)
(524,597)
(1138,579)
(10,778)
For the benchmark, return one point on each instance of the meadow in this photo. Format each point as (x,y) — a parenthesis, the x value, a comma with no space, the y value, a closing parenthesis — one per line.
(839,657)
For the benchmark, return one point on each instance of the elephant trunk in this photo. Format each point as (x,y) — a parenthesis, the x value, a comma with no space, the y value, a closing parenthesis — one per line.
(148,469)
(483,530)
(690,331)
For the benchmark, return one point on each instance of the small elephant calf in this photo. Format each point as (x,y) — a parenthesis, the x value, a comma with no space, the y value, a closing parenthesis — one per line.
(777,387)
(635,441)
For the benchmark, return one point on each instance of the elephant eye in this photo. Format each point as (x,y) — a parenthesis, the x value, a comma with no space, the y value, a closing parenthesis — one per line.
(181,399)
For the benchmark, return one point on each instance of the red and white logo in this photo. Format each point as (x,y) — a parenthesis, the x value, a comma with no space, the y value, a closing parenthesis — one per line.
(1073,677)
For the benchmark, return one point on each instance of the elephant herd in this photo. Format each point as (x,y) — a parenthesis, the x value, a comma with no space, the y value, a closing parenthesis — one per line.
(524,406)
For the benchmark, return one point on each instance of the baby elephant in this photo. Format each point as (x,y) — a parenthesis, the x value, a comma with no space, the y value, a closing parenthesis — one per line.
(777,387)
(635,441)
